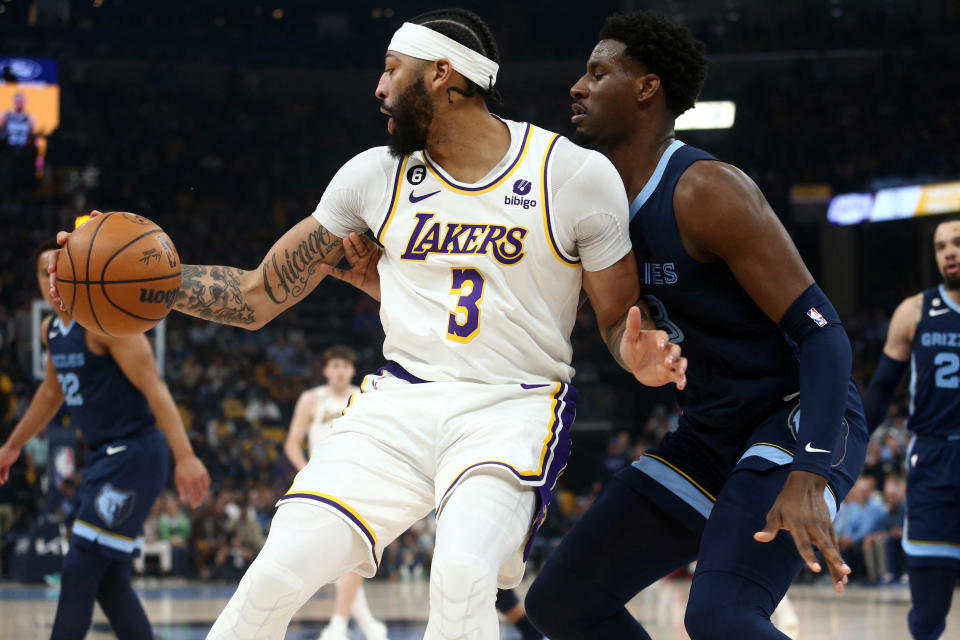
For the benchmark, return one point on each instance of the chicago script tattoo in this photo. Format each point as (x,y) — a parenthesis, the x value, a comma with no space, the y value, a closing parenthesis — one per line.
(287,276)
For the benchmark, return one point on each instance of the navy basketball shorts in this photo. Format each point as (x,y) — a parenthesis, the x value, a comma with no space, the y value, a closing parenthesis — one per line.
(931,529)
(121,481)
(686,473)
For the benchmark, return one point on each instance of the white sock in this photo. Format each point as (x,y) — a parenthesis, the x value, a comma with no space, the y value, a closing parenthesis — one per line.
(361,612)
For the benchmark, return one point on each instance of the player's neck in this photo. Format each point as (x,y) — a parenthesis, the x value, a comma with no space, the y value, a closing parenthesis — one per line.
(468,142)
(338,391)
(65,318)
(637,155)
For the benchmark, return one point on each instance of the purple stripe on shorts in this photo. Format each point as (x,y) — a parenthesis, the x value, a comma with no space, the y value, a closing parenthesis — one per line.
(555,458)
(397,371)
(339,507)
(564,413)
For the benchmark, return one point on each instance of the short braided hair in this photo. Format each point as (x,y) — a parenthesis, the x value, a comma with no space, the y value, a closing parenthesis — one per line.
(471,31)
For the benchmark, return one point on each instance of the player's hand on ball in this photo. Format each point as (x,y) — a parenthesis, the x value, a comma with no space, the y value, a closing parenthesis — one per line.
(193,481)
(363,254)
(62,237)
(801,510)
(652,358)
(8,455)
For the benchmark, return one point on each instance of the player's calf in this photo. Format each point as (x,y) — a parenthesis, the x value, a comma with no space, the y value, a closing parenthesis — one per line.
(724,605)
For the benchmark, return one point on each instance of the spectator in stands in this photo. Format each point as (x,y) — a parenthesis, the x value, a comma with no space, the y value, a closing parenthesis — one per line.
(882,552)
(174,527)
(861,513)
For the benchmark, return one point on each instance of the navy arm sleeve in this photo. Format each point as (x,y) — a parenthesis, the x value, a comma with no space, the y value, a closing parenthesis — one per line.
(879,393)
(825,360)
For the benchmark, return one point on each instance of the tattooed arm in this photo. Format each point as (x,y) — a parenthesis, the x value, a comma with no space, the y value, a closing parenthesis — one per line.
(627,327)
(250,299)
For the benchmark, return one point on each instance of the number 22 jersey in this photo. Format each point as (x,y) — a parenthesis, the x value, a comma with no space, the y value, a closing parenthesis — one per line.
(480,282)
(102,403)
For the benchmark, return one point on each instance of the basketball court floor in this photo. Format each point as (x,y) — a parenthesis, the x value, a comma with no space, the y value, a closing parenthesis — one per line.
(185,610)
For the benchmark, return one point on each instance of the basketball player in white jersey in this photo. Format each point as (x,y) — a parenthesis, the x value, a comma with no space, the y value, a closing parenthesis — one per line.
(490,229)
(312,419)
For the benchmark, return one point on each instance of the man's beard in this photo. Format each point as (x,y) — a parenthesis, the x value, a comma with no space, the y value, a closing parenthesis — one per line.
(412,115)
(952,281)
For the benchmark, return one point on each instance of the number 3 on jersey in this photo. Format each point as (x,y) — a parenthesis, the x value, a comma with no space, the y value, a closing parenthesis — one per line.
(468,284)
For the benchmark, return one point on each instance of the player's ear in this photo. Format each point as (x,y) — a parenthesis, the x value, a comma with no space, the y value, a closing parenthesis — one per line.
(441,73)
(646,86)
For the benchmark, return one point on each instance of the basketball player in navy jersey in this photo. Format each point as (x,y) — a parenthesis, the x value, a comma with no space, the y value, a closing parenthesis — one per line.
(16,125)
(772,434)
(116,397)
(925,333)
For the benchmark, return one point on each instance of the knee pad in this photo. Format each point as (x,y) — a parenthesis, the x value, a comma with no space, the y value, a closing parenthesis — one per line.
(462,592)
(265,601)
(709,617)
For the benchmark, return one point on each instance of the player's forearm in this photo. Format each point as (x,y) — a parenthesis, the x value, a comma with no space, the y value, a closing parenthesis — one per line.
(43,407)
(168,420)
(250,299)
(219,294)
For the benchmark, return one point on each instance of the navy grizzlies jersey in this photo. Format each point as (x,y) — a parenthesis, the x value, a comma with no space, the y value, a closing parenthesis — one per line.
(935,367)
(741,365)
(102,403)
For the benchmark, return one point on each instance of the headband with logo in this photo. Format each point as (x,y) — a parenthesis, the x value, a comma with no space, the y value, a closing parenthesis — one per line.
(424,43)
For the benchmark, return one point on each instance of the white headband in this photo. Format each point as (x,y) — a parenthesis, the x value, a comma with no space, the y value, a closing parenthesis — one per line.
(426,44)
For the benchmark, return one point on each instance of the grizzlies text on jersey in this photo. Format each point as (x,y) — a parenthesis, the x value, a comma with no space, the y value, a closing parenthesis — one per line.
(935,367)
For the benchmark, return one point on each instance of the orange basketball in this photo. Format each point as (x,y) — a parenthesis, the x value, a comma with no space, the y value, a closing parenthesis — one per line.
(118,274)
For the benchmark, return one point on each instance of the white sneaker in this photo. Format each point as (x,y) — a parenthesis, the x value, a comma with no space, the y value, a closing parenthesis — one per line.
(334,632)
(374,630)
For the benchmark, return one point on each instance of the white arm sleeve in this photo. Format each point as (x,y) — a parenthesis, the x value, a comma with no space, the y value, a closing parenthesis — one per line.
(358,193)
(591,208)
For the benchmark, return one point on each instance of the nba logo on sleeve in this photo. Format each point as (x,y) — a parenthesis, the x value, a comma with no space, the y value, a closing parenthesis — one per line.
(816,317)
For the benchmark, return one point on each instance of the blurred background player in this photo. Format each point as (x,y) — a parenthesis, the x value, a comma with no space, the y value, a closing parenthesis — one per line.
(313,416)
(16,125)
(18,150)
(723,278)
(924,333)
(118,400)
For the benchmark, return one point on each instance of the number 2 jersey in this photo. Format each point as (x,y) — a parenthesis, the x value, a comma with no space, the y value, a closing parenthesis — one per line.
(481,282)
(103,404)
(935,367)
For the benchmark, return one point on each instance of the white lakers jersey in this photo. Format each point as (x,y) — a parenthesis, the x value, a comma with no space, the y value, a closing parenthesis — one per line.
(325,410)
(480,282)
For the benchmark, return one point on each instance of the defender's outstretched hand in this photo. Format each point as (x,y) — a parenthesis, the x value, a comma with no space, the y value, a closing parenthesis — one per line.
(652,358)
(62,237)
(363,254)
(801,510)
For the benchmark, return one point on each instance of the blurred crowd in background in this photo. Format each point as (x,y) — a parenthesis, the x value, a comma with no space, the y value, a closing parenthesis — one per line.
(227,138)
